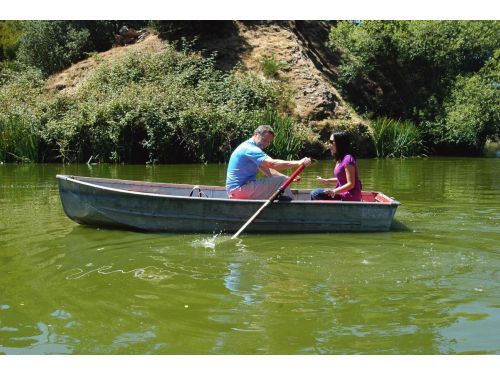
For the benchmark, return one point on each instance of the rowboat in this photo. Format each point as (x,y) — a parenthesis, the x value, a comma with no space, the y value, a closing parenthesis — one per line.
(169,207)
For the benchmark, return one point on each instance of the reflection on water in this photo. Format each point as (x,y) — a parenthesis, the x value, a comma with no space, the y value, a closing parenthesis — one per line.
(428,286)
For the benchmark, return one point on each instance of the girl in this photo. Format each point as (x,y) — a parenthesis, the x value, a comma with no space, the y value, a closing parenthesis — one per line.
(347,182)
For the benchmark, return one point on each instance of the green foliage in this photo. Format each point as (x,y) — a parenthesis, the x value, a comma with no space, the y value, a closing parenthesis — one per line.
(270,67)
(410,60)
(407,69)
(20,117)
(472,111)
(395,139)
(146,107)
(18,138)
(52,45)
(10,32)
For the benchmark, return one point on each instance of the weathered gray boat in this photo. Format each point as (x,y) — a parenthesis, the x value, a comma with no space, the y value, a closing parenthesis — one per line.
(166,207)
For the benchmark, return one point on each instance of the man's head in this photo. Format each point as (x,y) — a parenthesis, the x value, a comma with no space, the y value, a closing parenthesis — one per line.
(263,136)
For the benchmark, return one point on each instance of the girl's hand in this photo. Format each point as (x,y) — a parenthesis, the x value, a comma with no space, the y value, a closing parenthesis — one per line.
(330,192)
(320,179)
(296,179)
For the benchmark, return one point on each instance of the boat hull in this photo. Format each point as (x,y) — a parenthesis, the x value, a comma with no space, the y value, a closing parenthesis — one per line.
(145,207)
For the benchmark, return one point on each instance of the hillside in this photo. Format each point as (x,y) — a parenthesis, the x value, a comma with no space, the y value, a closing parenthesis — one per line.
(299,45)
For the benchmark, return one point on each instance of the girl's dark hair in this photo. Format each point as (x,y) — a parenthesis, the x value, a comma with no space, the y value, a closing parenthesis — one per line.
(342,145)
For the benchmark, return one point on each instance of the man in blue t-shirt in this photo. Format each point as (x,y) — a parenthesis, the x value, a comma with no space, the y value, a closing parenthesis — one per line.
(248,158)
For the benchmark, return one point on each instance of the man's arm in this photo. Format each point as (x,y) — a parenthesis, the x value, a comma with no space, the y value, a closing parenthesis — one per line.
(270,171)
(278,164)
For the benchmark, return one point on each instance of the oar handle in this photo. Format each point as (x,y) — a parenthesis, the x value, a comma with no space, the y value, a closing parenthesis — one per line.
(287,182)
(292,177)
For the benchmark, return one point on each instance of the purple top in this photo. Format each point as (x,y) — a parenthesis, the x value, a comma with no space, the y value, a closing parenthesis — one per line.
(339,171)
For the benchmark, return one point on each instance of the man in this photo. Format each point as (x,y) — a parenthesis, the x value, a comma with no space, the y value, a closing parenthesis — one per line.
(248,158)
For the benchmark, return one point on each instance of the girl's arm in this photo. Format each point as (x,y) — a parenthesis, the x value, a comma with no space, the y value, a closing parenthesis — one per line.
(326,180)
(349,173)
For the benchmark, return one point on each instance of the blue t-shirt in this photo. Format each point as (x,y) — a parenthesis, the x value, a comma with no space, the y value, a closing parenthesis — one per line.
(244,164)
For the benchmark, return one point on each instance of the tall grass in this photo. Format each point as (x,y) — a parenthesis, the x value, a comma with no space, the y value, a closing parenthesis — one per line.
(289,136)
(396,139)
(18,139)
(270,67)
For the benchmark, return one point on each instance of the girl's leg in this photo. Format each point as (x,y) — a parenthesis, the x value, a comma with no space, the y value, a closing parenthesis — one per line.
(319,194)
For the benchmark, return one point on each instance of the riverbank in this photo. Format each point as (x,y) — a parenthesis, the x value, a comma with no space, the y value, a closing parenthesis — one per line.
(190,91)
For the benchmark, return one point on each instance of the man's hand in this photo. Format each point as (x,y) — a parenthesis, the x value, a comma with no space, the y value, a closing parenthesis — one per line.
(306,161)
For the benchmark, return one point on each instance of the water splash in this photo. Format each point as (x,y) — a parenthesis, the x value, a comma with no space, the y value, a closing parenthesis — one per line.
(210,242)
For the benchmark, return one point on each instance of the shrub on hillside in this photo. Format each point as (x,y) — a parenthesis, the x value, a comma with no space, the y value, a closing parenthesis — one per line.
(164,107)
(10,32)
(270,67)
(410,60)
(471,113)
(54,45)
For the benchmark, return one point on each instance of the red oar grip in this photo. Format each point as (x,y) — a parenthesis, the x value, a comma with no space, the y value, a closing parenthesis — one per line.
(290,179)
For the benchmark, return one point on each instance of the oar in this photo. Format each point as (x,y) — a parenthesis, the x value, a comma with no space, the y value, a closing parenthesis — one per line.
(271,199)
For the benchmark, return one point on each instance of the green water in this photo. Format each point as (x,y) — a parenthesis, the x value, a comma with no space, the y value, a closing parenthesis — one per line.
(430,286)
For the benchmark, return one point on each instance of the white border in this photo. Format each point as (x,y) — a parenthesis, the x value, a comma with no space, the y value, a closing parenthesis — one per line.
(250,365)
(249,10)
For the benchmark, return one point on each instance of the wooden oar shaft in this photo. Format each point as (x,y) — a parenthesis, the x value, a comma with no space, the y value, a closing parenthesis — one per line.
(270,200)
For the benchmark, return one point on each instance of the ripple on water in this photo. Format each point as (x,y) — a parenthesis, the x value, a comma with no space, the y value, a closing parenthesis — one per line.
(150,273)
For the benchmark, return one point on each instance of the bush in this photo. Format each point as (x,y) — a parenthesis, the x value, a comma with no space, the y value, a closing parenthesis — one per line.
(10,32)
(52,45)
(471,112)
(155,107)
(407,69)
(19,137)
(270,67)
(473,109)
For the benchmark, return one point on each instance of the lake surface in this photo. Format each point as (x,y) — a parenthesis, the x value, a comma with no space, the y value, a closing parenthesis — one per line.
(429,286)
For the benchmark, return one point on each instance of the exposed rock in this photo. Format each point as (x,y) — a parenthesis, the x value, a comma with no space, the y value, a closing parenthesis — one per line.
(309,66)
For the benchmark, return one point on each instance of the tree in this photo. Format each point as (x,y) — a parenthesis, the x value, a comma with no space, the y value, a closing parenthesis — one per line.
(52,45)
(473,108)
(10,32)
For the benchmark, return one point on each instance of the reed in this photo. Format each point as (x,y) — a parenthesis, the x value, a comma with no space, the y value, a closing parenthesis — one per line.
(289,137)
(18,139)
(396,139)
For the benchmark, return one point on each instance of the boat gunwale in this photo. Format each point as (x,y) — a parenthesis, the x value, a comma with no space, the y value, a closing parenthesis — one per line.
(392,202)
